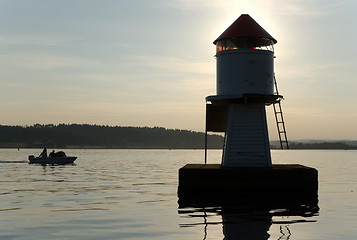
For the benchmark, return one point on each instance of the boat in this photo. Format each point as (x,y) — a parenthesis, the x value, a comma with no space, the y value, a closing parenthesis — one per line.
(52,160)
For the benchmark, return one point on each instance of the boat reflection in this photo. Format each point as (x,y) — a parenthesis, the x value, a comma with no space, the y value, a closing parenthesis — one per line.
(239,221)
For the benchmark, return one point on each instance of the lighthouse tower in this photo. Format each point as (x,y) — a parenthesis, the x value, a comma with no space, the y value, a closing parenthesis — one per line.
(245,85)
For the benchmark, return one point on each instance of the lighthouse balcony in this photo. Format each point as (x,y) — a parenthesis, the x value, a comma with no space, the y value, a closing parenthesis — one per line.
(244,99)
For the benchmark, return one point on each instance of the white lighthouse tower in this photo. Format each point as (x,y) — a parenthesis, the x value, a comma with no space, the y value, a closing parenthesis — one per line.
(245,85)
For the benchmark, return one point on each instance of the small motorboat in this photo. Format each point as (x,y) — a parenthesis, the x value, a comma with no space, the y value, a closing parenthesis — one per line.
(52,160)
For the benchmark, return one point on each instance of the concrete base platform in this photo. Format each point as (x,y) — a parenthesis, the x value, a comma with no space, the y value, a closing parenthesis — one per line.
(280,185)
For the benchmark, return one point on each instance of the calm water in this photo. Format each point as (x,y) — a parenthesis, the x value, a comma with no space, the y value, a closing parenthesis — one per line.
(131,194)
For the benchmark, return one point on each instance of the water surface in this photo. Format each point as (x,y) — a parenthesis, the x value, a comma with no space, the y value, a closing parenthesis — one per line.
(132,194)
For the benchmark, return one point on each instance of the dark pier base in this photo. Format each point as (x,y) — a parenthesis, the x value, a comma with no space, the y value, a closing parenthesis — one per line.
(280,186)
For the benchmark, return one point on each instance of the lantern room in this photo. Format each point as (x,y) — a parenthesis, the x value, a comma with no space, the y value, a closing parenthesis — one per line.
(244,43)
(245,59)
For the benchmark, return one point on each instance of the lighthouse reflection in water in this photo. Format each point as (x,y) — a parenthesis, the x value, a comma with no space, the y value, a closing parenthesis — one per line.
(247,223)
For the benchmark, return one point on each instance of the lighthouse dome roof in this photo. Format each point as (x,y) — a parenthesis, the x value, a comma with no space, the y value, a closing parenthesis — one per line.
(245,27)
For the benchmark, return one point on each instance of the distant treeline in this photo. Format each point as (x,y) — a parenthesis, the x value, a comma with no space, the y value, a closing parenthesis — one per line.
(96,136)
(316,145)
(321,145)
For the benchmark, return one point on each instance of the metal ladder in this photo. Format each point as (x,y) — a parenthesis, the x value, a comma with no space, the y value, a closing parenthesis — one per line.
(280,124)
(224,145)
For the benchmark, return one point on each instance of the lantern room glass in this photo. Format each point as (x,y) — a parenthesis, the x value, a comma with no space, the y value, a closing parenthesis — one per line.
(245,43)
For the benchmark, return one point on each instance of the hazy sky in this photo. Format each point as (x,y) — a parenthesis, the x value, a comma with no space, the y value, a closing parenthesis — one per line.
(151,62)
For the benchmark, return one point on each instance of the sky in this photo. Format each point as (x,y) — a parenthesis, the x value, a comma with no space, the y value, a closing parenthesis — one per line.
(151,62)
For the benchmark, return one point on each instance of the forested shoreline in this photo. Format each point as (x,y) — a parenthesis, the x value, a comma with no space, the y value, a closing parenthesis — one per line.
(99,136)
(318,145)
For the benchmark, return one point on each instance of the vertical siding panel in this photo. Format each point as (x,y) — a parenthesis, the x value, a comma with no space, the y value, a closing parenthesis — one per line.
(247,142)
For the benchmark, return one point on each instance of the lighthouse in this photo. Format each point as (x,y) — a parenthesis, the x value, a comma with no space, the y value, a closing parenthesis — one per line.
(245,85)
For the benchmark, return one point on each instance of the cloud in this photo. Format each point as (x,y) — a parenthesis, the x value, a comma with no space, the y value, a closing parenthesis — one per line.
(302,8)
(290,8)
(45,60)
(199,4)
(38,39)
(176,64)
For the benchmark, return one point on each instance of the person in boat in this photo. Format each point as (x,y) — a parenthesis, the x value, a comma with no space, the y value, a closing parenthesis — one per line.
(44,153)
(60,154)
(52,154)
